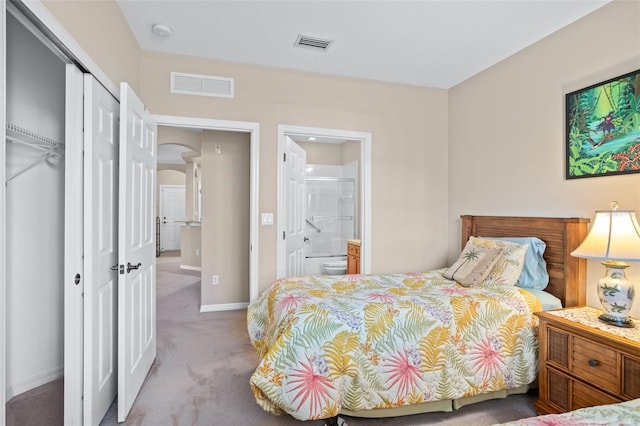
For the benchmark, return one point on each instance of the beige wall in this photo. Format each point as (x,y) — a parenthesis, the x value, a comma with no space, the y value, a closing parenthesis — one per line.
(190,244)
(409,146)
(225,217)
(494,144)
(101,30)
(506,128)
(322,153)
(408,125)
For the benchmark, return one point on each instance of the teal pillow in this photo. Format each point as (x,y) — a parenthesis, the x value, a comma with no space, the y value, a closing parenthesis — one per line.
(534,272)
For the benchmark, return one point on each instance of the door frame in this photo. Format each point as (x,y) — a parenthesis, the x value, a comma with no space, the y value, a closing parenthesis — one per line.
(365,140)
(160,205)
(3,162)
(233,126)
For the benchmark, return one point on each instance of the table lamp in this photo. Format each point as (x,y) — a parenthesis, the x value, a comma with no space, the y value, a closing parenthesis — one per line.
(614,238)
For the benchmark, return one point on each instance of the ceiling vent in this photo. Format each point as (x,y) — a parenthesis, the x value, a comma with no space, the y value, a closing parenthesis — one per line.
(313,42)
(201,85)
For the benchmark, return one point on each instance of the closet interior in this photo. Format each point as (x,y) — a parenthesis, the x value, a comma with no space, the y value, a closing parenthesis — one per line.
(35,190)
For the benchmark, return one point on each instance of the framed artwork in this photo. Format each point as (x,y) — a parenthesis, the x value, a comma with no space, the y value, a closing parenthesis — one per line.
(603,128)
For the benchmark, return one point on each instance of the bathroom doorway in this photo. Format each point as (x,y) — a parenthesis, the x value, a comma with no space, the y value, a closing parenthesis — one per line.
(335,205)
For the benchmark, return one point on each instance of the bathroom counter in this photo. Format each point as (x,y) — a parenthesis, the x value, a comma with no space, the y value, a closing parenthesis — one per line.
(353,256)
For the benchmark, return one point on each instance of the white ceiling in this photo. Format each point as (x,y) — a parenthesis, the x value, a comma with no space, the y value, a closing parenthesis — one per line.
(432,43)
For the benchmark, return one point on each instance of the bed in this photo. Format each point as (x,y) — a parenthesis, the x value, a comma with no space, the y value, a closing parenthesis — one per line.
(622,413)
(397,344)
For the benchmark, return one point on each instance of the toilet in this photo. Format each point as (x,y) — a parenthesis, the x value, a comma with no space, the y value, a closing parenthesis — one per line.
(335,268)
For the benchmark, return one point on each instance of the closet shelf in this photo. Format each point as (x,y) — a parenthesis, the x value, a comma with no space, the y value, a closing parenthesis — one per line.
(52,149)
(21,135)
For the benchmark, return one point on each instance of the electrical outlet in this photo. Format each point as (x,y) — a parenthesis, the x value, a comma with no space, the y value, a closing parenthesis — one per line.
(215,280)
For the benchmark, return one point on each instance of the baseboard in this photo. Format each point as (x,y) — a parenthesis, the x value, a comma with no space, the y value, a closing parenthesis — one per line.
(223,307)
(33,382)
(191,268)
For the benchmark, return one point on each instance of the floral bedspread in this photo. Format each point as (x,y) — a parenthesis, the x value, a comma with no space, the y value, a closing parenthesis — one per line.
(378,341)
(624,413)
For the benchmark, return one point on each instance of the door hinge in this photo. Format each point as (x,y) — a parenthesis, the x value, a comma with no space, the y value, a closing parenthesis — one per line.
(283,235)
(285,157)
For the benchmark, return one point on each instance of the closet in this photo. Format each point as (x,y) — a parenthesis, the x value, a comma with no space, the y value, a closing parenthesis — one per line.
(80,175)
(35,130)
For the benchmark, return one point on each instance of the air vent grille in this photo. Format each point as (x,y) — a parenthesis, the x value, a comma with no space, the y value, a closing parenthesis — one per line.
(201,85)
(313,42)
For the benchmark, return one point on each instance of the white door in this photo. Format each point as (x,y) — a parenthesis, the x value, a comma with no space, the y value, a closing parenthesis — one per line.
(101,133)
(136,248)
(172,207)
(295,184)
(73,248)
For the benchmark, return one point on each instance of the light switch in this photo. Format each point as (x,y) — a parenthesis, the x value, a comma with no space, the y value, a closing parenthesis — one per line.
(267,218)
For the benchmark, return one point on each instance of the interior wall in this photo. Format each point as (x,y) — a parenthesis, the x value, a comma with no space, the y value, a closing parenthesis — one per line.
(35,100)
(101,30)
(408,125)
(322,153)
(409,146)
(507,129)
(225,216)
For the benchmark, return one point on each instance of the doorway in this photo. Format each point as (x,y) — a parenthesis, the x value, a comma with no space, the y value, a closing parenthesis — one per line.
(320,135)
(172,215)
(252,129)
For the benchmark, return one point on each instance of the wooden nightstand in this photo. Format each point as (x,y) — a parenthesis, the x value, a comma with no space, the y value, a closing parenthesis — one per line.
(584,362)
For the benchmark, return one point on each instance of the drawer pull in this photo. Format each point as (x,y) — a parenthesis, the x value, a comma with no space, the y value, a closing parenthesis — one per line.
(593,363)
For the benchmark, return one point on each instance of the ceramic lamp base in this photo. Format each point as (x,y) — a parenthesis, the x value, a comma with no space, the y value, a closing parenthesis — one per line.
(618,322)
(616,295)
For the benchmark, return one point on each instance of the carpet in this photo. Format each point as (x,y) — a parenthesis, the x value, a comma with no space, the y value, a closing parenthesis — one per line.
(202,370)
(201,374)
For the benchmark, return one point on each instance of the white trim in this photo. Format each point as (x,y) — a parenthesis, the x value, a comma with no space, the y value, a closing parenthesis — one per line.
(74,247)
(191,268)
(34,381)
(365,189)
(234,126)
(3,162)
(223,307)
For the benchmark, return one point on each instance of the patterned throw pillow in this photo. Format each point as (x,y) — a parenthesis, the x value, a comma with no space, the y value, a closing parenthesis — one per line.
(473,265)
(509,266)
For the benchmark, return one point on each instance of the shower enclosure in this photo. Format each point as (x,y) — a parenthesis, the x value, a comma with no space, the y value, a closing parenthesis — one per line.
(331,206)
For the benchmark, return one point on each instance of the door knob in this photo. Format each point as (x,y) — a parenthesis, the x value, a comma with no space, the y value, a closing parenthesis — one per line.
(131,267)
(305,239)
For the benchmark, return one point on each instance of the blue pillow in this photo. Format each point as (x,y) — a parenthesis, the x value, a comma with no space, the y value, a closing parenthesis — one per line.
(548,300)
(534,272)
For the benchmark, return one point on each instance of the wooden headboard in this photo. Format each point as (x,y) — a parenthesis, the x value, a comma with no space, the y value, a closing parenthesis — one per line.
(567,274)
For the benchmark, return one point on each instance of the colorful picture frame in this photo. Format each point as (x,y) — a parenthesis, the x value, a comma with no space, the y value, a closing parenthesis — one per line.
(603,128)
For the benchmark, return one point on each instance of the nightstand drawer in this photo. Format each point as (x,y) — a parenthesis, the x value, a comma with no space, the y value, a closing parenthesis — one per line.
(595,363)
(354,250)
(586,396)
(631,374)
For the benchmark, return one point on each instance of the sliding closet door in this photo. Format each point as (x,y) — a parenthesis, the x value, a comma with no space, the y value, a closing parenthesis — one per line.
(73,247)
(136,253)
(101,132)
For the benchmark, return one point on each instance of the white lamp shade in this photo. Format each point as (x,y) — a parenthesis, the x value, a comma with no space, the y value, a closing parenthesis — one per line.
(614,235)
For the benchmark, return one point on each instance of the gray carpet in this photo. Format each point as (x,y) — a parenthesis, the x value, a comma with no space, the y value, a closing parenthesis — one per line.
(201,374)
